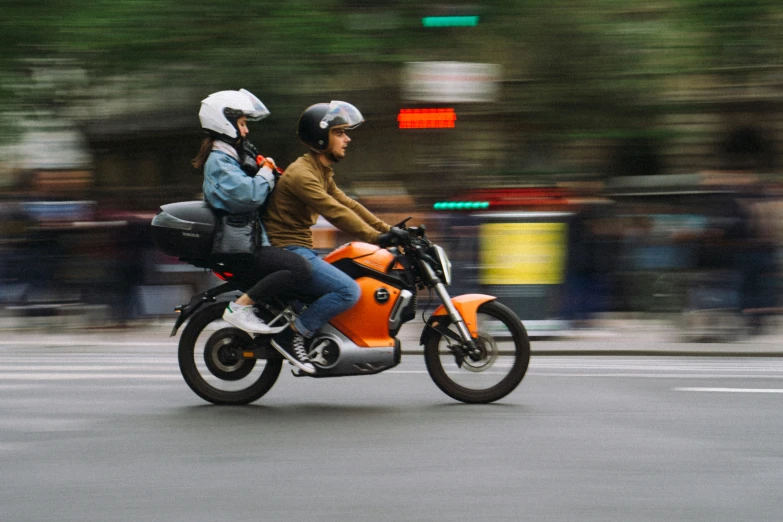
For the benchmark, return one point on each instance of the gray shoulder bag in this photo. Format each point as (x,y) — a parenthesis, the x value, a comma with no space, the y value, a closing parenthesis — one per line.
(236,233)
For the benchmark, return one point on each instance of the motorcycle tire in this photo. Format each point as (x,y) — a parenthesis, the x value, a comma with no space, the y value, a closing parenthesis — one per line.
(465,380)
(221,367)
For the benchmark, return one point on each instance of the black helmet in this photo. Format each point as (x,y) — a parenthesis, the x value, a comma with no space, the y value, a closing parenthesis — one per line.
(316,121)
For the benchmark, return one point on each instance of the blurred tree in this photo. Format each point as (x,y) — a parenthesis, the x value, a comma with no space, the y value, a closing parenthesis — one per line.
(572,68)
(734,34)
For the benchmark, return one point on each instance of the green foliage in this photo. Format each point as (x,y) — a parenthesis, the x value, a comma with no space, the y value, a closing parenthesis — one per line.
(732,32)
(573,66)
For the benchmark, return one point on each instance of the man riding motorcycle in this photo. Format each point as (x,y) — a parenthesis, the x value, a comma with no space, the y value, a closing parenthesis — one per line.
(308,190)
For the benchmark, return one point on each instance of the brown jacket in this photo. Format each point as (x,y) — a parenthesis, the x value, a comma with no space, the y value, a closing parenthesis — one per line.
(307,190)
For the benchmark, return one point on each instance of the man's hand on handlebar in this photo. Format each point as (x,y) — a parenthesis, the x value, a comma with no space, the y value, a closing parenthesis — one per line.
(393,237)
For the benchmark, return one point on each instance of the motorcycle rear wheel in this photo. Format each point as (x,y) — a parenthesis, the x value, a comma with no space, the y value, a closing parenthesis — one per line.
(505,355)
(210,367)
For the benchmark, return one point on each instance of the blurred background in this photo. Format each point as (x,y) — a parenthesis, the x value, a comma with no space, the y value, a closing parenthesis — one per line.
(581,160)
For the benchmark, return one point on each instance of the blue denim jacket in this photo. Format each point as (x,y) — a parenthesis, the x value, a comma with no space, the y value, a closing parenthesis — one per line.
(227,187)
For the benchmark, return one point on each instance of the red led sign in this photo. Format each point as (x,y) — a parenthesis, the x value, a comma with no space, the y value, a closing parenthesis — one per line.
(427,118)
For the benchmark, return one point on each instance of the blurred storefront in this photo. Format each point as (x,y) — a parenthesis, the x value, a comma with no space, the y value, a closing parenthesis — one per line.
(700,249)
(703,247)
(512,243)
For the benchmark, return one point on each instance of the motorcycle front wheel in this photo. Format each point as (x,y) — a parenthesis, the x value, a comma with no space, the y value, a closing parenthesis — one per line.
(494,373)
(210,366)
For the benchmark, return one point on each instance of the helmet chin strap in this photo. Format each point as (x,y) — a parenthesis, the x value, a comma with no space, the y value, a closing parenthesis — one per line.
(332,157)
(234,142)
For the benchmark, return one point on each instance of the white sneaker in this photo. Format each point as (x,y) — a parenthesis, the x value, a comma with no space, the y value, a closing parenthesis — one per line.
(245,319)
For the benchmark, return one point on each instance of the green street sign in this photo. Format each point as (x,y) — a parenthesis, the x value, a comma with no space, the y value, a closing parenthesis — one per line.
(461,205)
(450,21)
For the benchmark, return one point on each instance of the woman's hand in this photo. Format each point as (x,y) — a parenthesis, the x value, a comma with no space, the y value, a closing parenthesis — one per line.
(267,162)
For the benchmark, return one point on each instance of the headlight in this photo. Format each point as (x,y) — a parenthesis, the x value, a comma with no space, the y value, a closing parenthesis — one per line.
(445,264)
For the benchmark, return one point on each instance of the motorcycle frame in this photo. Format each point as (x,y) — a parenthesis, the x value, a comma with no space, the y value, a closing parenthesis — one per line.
(462,310)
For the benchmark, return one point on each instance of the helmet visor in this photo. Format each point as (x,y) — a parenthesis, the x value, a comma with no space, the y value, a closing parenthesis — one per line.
(341,114)
(257,110)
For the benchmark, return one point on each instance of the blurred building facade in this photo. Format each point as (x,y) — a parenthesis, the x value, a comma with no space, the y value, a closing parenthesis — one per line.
(543,98)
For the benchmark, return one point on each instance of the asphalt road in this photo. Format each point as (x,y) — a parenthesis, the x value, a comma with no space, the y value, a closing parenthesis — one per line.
(112,433)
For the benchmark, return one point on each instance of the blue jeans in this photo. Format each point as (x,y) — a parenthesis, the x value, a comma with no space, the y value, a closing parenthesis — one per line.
(335,291)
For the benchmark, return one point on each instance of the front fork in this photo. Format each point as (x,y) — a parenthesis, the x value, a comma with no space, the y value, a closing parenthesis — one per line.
(463,312)
(456,318)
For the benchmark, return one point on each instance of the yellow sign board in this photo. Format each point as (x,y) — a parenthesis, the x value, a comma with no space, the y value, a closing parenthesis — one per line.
(523,253)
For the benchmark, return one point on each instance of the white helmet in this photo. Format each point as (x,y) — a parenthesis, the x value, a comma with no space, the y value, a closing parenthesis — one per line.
(220,111)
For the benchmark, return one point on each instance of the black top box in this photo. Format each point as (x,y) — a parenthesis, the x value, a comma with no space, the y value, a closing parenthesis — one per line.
(185,230)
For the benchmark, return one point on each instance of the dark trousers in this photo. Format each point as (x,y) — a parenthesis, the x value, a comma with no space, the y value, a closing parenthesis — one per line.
(276,269)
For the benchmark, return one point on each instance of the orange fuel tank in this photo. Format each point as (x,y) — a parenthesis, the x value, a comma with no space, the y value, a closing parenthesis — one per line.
(367,322)
(365,254)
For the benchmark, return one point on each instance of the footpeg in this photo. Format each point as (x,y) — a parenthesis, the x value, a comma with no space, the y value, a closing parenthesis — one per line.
(272,331)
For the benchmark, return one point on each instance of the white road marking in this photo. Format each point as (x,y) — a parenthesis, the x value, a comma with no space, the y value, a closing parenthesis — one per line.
(78,368)
(85,377)
(732,390)
(123,359)
(611,374)
(10,387)
(657,375)
(53,343)
(696,367)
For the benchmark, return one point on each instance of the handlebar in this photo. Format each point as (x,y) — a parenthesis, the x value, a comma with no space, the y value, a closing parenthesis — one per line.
(401,224)
(413,231)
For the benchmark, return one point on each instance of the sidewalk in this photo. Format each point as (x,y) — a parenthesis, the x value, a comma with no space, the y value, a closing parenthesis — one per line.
(611,337)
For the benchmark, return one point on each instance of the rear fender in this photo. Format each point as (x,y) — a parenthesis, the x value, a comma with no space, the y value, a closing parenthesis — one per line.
(467,305)
(196,302)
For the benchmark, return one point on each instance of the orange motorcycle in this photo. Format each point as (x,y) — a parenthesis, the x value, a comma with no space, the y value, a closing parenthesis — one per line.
(476,349)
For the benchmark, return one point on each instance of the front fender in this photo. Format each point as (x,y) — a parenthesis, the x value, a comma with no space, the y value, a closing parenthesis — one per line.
(467,305)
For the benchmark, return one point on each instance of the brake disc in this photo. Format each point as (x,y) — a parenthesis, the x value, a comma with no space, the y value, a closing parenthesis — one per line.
(489,354)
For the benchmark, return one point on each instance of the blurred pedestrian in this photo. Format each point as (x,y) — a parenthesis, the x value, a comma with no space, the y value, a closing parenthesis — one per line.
(593,256)
(756,261)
